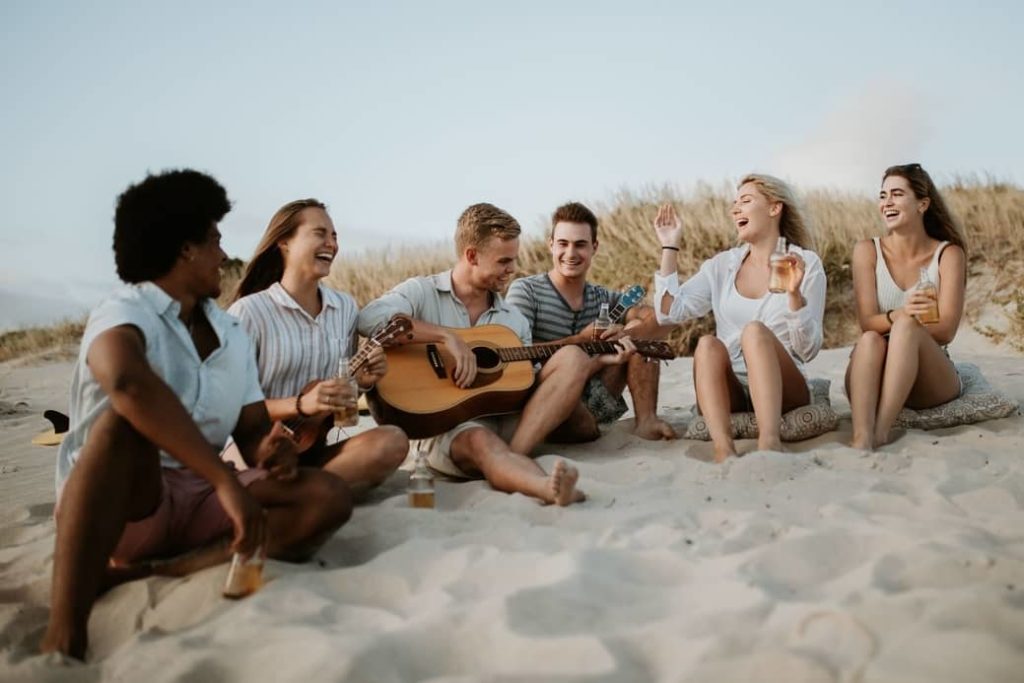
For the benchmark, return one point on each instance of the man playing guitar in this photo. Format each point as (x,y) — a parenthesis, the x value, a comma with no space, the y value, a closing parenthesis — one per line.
(497,448)
(561,306)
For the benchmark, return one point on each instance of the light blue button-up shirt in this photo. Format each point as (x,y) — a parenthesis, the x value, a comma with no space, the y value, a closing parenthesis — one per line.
(213,391)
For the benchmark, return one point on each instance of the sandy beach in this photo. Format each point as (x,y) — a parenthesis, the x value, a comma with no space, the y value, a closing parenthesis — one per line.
(818,564)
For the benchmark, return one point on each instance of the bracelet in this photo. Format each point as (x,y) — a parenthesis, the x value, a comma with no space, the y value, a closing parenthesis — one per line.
(888,316)
(672,248)
(298,406)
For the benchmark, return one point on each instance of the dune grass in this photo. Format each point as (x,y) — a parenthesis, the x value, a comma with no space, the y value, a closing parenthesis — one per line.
(991,212)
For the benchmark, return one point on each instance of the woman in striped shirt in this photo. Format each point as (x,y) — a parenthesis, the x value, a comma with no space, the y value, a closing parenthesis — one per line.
(885,371)
(301,329)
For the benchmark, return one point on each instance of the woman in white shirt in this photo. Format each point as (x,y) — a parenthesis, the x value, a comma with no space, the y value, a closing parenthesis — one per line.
(301,330)
(885,371)
(755,359)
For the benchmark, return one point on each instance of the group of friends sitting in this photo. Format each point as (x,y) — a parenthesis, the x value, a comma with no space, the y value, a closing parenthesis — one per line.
(177,455)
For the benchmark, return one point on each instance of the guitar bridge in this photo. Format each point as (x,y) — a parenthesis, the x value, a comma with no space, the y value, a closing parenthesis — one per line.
(436,361)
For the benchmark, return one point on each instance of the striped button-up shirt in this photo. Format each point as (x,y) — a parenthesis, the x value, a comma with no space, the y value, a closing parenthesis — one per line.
(292,347)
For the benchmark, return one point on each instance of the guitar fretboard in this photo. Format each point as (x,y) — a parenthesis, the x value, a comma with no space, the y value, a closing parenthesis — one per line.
(545,351)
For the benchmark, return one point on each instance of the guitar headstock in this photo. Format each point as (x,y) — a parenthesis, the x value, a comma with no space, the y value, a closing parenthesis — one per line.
(632,296)
(654,349)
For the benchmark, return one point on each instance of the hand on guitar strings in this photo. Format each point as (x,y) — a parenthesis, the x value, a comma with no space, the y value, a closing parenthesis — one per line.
(375,367)
(277,453)
(626,351)
(465,360)
(613,333)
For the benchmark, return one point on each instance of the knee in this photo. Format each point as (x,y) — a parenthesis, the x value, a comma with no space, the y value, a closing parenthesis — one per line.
(395,445)
(710,347)
(571,360)
(754,333)
(111,430)
(904,326)
(872,342)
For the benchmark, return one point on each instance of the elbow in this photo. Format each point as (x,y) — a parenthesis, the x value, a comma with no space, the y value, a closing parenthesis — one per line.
(125,392)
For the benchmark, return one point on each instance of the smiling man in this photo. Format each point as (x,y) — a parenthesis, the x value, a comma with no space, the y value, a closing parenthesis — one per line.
(496,448)
(561,306)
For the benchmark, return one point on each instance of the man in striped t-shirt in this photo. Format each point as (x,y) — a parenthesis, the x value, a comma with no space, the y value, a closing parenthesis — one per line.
(561,306)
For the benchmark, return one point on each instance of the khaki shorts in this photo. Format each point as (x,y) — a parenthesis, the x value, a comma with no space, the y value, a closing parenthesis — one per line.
(438,448)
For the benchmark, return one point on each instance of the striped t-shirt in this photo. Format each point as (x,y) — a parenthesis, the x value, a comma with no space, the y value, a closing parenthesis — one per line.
(292,347)
(550,315)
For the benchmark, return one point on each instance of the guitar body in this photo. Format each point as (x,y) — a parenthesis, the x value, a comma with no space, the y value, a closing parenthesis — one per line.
(419,394)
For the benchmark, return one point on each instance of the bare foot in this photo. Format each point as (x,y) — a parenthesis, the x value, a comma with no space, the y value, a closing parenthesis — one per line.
(773,444)
(862,443)
(722,456)
(65,643)
(562,483)
(655,429)
(886,438)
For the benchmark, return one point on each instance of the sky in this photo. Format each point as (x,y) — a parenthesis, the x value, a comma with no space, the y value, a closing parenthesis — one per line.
(400,114)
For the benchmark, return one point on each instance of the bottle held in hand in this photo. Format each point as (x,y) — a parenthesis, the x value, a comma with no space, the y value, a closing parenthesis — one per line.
(347,415)
(421,484)
(781,269)
(245,576)
(603,321)
(925,284)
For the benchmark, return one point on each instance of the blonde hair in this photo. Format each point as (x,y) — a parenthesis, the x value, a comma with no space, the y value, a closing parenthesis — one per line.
(792,225)
(479,223)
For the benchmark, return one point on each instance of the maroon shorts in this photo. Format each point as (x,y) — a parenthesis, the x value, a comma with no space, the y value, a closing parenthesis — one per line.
(188,516)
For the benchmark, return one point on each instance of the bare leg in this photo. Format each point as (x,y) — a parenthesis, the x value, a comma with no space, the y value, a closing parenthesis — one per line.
(116,480)
(579,427)
(718,392)
(863,384)
(910,349)
(481,450)
(776,384)
(561,384)
(367,459)
(643,377)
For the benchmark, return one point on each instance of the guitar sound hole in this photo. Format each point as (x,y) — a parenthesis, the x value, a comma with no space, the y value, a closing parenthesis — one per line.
(486,358)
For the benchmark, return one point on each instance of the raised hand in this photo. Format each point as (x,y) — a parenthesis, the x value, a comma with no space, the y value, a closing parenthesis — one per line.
(917,303)
(799,268)
(668,226)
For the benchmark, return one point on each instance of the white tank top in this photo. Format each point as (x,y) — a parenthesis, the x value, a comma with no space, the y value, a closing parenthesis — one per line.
(890,296)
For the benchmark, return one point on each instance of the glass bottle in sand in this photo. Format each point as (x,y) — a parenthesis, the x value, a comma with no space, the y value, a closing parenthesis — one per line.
(245,575)
(781,269)
(925,284)
(348,414)
(421,484)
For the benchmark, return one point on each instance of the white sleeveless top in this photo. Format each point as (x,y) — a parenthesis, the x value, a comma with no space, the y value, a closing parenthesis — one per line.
(890,296)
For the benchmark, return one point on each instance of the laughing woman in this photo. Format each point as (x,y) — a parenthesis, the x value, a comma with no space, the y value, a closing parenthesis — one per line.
(301,329)
(885,371)
(755,358)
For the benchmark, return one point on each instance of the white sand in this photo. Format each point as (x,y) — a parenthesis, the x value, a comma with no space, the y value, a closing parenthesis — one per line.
(822,564)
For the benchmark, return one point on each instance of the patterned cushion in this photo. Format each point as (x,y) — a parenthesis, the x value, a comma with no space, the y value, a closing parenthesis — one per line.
(978,402)
(798,424)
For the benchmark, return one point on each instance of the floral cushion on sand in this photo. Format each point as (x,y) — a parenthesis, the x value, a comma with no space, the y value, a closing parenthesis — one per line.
(978,402)
(798,424)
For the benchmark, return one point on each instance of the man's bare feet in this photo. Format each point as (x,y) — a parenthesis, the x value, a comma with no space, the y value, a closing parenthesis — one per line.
(562,485)
(655,429)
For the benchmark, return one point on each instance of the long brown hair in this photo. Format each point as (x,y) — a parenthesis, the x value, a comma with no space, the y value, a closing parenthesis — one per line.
(793,224)
(939,221)
(267,265)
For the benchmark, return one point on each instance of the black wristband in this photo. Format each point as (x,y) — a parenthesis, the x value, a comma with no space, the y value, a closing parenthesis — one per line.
(672,248)
(298,406)
(888,316)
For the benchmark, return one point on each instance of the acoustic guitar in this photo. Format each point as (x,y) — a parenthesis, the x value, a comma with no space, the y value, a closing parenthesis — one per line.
(419,393)
(311,431)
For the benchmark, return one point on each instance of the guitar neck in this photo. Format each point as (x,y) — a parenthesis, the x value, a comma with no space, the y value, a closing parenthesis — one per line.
(616,313)
(357,361)
(545,351)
